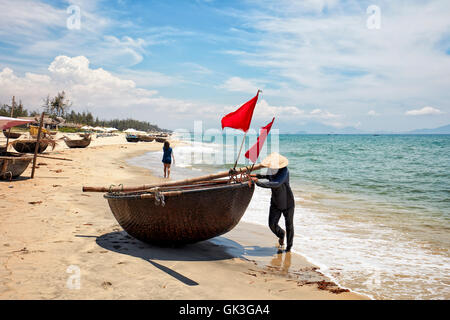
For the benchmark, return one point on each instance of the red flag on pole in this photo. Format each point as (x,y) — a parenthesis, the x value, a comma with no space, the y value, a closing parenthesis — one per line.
(253,152)
(241,118)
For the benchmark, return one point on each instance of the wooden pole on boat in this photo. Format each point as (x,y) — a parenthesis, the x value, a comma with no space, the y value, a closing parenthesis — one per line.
(239,154)
(36,149)
(12,113)
(170,184)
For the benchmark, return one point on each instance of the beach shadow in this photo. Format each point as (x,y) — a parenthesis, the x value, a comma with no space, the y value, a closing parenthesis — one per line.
(219,248)
(15,179)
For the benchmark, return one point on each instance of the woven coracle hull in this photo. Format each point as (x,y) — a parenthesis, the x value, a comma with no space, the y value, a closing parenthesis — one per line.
(26,146)
(146,138)
(83,143)
(132,139)
(11,135)
(14,166)
(192,216)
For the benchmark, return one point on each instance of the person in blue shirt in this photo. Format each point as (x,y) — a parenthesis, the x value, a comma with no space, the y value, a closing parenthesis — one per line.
(282,201)
(167,158)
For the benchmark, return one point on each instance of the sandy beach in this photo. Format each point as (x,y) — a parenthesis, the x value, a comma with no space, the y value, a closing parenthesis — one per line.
(50,230)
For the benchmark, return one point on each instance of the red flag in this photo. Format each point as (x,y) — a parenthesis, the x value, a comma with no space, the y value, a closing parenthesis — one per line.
(241,118)
(253,152)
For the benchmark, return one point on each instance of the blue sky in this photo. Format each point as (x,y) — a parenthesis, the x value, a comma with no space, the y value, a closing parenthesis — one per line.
(174,62)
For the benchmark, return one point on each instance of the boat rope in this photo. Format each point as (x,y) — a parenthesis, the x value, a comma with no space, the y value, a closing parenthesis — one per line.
(115,192)
(159,197)
(5,175)
(239,176)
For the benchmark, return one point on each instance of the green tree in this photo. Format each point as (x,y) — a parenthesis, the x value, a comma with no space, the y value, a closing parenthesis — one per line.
(58,106)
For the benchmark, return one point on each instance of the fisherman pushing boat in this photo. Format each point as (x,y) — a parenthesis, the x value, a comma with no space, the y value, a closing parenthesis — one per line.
(282,201)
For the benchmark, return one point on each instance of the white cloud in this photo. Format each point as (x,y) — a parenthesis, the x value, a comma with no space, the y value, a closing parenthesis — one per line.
(237,84)
(321,114)
(424,111)
(102,92)
(332,58)
(372,113)
(27,18)
(84,86)
(197,68)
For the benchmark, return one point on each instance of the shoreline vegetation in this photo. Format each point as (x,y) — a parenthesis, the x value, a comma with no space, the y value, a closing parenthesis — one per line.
(57,109)
(50,228)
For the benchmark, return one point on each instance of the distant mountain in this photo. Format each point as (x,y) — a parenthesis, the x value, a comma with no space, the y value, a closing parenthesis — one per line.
(440,130)
(320,128)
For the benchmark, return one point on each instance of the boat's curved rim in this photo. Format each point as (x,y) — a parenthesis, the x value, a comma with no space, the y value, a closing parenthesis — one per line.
(137,195)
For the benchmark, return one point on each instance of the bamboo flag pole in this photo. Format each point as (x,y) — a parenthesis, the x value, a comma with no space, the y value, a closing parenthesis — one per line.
(12,113)
(36,149)
(169,184)
(243,140)
(239,154)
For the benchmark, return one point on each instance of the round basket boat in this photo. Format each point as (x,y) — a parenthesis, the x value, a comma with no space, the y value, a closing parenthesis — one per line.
(161,140)
(28,146)
(188,216)
(132,139)
(11,135)
(81,143)
(146,138)
(13,166)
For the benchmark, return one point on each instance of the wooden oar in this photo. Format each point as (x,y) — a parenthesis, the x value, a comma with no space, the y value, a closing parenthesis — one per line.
(41,156)
(12,114)
(38,144)
(172,183)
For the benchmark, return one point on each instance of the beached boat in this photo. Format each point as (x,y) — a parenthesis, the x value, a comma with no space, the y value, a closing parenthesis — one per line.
(12,166)
(78,143)
(132,138)
(11,135)
(145,138)
(28,146)
(186,214)
(160,139)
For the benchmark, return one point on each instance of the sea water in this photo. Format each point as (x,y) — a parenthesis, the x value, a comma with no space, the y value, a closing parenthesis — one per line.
(372,211)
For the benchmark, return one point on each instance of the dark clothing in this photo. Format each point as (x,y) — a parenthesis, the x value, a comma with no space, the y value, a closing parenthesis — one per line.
(274,217)
(167,156)
(282,196)
(282,202)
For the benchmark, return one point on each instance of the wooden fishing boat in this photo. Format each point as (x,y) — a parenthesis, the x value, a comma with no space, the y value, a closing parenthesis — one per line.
(78,143)
(132,138)
(186,214)
(160,139)
(28,146)
(145,138)
(11,135)
(12,166)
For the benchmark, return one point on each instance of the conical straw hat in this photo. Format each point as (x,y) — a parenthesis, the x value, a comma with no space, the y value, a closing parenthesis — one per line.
(275,161)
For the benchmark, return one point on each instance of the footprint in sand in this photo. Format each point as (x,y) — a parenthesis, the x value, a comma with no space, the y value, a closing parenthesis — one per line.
(106,284)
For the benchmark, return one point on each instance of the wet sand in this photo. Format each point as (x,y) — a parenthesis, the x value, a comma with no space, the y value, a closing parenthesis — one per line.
(52,234)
